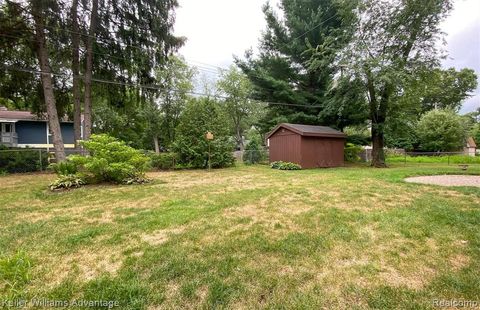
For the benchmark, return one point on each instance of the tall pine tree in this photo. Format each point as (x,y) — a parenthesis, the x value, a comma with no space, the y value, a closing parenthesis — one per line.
(284,72)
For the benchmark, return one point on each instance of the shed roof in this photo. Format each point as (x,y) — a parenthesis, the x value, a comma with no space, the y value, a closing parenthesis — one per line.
(471,142)
(309,130)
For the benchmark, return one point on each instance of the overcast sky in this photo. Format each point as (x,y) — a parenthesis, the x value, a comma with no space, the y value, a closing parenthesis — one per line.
(218,29)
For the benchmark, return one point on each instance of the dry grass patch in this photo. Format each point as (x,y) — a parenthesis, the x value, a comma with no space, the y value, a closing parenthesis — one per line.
(276,213)
(84,265)
(33,217)
(161,236)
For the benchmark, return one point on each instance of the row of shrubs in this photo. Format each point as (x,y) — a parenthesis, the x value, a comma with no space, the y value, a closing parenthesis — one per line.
(21,160)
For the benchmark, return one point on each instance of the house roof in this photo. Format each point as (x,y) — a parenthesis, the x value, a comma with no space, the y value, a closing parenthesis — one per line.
(309,130)
(14,116)
(471,142)
(18,115)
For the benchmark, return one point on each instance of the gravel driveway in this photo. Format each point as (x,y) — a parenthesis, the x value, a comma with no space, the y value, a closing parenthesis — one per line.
(447,180)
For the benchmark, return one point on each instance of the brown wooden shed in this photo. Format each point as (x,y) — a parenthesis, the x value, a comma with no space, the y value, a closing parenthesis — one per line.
(306,145)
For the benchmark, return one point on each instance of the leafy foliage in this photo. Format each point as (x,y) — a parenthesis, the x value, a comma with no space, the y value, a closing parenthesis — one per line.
(351,152)
(110,160)
(238,105)
(400,130)
(282,165)
(425,90)
(440,130)
(67,181)
(358,139)
(124,123)
(192,147)
(176,78)
(163,161)
(439,89)
(64,168)
(475,133)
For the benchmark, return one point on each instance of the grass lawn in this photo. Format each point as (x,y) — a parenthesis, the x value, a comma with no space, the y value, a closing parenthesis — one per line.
(245,237)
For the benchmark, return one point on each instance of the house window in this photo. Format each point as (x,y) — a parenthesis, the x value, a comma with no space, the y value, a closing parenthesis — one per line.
(7,128)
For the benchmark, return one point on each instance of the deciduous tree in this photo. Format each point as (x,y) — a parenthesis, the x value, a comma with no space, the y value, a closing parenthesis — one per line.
(176,80)
(236,90)
(441,131)
(393,41)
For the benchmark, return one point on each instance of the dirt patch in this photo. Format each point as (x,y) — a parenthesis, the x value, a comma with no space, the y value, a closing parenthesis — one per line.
(447,180)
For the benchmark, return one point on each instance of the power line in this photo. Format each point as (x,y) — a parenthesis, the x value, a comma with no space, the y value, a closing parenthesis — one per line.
(202,68)
(153,87)
(199,67)
(298,37)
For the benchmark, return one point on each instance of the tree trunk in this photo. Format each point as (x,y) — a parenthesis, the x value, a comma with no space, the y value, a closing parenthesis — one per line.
(88,72)
(240,138)
(379,116)
(77,104)
(157,146)
(378,155)
(47,84)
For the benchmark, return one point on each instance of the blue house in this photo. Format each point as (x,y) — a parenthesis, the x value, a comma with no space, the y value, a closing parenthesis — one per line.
(25,129)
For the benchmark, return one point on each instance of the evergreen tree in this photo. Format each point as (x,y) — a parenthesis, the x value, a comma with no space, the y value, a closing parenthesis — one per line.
(193,148)
(284,71)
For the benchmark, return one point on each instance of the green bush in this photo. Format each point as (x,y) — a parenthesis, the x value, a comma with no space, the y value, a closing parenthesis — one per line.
(21,160)
(67,181)
(441,130)
(276,164)
(282,165)
(110,160)
(64,168)
(163,161)
(351,152)
(253,153)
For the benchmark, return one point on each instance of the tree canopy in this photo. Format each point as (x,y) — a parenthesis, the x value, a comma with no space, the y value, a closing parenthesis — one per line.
(441,130)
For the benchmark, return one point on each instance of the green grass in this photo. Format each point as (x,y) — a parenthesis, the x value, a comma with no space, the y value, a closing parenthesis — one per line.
(245,237)
(443,159)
